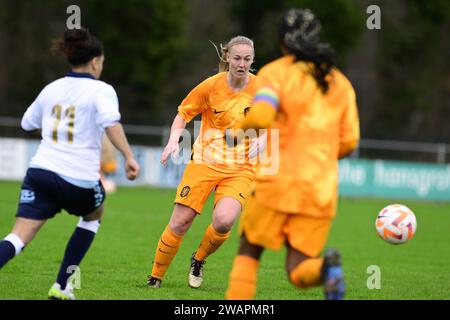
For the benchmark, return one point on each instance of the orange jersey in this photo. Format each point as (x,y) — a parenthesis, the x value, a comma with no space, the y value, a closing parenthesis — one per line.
(221,108)
(313,127)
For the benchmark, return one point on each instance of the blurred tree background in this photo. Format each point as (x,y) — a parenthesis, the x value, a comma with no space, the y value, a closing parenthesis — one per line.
(158,50)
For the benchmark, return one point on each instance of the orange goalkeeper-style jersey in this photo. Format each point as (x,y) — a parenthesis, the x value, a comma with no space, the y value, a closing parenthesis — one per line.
(221,108)
(313,127)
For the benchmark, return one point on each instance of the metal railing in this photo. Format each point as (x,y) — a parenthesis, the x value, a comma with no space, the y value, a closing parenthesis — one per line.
(439,151)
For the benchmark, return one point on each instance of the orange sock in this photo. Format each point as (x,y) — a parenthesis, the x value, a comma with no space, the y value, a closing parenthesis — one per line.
(243,276)
(167,249)
(307,273)
(211,241)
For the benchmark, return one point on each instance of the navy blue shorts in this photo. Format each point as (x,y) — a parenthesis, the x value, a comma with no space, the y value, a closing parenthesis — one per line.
(44,194)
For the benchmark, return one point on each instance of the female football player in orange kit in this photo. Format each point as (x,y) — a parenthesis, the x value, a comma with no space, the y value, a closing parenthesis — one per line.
(222,100)
(313,106)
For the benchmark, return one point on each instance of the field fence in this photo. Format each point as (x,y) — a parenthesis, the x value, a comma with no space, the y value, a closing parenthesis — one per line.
(429,152)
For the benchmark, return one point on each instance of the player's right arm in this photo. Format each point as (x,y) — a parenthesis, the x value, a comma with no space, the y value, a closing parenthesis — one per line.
(172,146)
(350,132)
(32,119)
(266,102)
(195,103)
(263,110)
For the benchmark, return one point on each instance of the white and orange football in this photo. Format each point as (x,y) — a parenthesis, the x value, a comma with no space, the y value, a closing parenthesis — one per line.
(396,224)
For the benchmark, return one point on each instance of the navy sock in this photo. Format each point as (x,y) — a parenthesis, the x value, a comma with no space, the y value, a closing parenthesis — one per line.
(76,249)
(7,252)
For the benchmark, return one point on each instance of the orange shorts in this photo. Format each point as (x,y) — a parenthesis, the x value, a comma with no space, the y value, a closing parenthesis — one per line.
(199,181)
(270,229)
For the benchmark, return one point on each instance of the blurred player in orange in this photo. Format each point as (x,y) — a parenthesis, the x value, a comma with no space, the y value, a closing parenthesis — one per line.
(313,106)
(108,165)
(223,101)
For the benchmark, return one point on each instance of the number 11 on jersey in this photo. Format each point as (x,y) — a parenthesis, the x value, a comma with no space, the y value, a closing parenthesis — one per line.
(70,114)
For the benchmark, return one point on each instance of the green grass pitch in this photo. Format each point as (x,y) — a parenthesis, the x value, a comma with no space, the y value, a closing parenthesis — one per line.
(120,258)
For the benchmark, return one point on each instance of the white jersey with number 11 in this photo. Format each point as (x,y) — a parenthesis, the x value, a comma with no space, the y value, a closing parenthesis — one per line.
(72,113)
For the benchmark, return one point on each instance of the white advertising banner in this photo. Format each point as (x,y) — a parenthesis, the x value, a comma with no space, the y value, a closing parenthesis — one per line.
(13,158)
(357,177)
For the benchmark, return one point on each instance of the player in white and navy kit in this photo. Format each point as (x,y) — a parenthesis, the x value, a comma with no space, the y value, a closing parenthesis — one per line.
(72,113)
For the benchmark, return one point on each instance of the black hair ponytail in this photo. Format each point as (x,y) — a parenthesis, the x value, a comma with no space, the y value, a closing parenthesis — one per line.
(299,34)
(79,46)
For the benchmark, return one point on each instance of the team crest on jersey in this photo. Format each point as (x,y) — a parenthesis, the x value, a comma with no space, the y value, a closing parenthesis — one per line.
(185,191)
(27,196)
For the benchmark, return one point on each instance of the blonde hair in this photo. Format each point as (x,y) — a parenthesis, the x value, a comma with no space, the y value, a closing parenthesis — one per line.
(224,64)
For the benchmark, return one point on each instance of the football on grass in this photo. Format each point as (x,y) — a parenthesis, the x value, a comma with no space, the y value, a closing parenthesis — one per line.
(396,224)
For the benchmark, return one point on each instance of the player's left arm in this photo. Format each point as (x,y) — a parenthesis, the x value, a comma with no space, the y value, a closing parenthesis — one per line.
(350,131)
(118,138)
(108,117)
